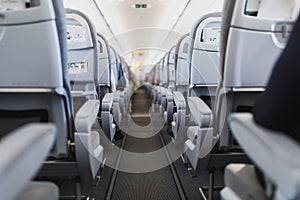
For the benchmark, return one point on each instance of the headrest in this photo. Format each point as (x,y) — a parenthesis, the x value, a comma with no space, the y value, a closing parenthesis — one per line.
(36,47)
(260,14)
(12,5)
(185,47)
(204,52)
(277,9)
(78,32)
(182,48)
(181,63)
(211,35)
(103,47)
(25,11)
(114,60)
(104,61)
(165,59)
(206,33)
(82,48)
(171,56)
(272,9)
(113,54)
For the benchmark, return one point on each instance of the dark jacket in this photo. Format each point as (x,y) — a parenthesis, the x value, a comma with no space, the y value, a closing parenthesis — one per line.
(278,108)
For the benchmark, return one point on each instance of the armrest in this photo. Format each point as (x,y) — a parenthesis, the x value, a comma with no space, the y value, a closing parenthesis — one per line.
(200,111)
(79,93)
(107,102)
(169,95)
(86,116)
(179,100)
(23,151)
(275,153)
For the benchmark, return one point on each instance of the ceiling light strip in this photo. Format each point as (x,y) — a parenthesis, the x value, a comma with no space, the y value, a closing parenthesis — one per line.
(181,14)
(175,24)
(107,24)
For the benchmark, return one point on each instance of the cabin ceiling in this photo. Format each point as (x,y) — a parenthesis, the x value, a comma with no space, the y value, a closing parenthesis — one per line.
(143,35)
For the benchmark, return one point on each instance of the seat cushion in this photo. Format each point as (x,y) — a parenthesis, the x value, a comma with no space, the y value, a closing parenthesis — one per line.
(40,190)
(242,180)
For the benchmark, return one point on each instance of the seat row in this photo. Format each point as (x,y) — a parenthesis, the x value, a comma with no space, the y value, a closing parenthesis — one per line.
(60,74)
(220,68)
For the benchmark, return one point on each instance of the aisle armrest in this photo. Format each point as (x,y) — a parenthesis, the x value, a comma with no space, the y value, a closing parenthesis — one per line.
(22,153)
(275,154)
(86,116)
(168,115)
(179,100)
(107,102)
(200,112)
(106,116)
(179,117)
(89,152)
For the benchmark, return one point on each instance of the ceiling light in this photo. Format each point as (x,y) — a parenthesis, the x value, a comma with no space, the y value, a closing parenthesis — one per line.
(141,5)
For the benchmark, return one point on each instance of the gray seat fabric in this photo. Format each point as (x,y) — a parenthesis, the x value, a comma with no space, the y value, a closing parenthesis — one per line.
(182,65)
(104,65)
(50,83)
(201,114)
(23,152)
(116,109)
(109,128)
(163,83)
(242,180)
(199,144)
(169,85)
(61,29)
(243,64)
(204,75)
(82,58)
(171,69)
(41,93)
(40,190)
(203,57)
(192,132)
(114,70)
(88,143)
(179,117)
(274,154)
(165,69)
(168,114)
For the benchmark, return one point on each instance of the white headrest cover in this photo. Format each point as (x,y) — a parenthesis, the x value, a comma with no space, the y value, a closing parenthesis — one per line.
(211,35)
(78,32)
(6,5)
(278,9)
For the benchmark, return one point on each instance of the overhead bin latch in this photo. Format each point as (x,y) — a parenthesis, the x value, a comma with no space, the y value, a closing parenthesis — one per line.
(281,32)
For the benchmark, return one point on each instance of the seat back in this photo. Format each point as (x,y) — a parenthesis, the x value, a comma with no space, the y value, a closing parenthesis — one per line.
(114,70)
(204,57)
(171,68)
(104,67)
(108,127)
(34,85)
(182,66)
(121,76)
(245,65)
(160,72)
(82,58)
(165,70)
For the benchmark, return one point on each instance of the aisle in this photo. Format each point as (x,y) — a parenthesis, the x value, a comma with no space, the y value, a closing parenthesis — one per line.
(158,184)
